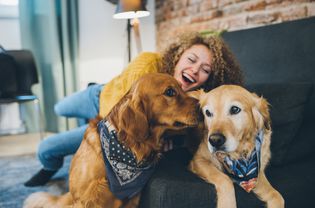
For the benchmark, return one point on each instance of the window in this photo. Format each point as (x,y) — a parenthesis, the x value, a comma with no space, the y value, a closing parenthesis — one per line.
(9,9)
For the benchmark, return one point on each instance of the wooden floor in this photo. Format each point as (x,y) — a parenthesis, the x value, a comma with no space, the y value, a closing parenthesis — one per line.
(20,144)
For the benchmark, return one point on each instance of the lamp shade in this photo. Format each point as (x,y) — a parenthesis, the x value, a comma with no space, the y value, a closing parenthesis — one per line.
(129,9)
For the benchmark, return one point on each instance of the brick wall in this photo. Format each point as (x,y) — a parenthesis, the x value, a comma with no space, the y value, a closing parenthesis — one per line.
(176,16)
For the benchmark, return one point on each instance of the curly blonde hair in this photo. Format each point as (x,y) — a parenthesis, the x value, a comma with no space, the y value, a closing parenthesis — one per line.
(225,69)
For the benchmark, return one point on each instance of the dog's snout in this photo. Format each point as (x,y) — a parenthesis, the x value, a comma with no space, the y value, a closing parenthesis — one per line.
(217,140)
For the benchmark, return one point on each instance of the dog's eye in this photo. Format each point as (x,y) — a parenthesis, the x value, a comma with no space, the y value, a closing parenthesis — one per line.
(234,110)
(208,113)
(170,92)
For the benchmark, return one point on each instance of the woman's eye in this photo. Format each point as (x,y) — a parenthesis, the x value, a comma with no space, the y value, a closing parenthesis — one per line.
(191,60)
(234,110)
(208,113)
(170,92)
(207,71)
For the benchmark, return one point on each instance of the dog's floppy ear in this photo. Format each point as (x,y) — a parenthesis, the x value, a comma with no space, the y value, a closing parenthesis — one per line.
(133,122)
(197,94)
(261,112)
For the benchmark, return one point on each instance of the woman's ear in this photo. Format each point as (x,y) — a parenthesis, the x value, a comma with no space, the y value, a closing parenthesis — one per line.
(261,112)
(133,122)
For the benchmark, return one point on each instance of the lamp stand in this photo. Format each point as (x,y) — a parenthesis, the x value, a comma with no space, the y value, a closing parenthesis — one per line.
(134,24)
(128,39)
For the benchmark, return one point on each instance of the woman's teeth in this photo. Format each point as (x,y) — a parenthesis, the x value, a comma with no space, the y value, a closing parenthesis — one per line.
(188,78)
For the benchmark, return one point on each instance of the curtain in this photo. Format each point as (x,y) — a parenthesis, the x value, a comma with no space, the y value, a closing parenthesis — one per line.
(50,30)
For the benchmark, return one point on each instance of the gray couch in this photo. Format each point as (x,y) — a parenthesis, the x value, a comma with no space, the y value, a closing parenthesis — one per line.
(279,63)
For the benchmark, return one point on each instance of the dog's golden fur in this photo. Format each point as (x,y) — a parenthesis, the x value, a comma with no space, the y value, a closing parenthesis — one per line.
(240,131)
(140,118)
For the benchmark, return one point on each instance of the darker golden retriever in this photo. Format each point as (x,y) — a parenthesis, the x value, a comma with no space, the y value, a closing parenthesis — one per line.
(236,145)
(155,104)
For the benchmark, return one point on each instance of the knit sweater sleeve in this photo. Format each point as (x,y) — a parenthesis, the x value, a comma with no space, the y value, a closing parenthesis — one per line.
(113,91)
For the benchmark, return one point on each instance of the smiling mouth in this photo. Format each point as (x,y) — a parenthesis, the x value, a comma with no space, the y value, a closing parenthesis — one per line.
(188,79)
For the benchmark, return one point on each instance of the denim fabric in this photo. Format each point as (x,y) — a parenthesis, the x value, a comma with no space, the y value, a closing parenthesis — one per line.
(53,149)
(83,104)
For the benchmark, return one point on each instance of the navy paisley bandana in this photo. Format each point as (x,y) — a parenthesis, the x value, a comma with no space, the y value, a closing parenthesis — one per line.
(244,171)
(126,177)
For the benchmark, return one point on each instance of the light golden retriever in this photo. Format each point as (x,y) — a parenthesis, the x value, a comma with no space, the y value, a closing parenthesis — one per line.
(155,104)
(236,122)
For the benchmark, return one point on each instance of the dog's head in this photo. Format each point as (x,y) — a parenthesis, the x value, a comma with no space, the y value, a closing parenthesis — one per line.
(233,117)
(154,104)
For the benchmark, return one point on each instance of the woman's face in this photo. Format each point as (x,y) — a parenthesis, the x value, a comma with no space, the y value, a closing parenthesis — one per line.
(193,67)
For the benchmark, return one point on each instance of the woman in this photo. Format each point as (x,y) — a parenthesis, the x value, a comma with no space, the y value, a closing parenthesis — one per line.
(194,61)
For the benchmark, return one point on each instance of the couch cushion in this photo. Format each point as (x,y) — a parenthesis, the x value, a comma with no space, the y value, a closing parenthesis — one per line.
(287,104)
(303,145)
(174,186)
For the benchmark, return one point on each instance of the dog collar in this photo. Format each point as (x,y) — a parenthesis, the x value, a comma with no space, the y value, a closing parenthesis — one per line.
(126,177)
(244,171)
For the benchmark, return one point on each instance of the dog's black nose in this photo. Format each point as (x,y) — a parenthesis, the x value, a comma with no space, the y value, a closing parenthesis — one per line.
(217,140)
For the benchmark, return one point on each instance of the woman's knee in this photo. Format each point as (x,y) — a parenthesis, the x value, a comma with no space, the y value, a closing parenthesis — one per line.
(82,104)
(58,109)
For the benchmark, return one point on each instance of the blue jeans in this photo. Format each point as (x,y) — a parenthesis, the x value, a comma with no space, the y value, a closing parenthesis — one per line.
(83,104)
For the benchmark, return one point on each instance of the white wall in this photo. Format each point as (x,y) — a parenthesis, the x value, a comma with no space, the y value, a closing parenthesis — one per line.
(10,121)
(103,41)
(9,27)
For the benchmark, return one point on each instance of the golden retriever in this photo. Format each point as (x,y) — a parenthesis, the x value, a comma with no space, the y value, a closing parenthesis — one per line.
(154,104)
(237,130)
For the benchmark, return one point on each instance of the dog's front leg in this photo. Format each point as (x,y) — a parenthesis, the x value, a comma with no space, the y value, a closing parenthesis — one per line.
(267,193)
(224,186)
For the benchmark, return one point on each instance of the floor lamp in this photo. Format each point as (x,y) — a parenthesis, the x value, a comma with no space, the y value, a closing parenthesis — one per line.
(131,10)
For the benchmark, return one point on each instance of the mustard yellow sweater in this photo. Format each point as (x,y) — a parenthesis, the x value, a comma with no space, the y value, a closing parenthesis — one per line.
(114,90)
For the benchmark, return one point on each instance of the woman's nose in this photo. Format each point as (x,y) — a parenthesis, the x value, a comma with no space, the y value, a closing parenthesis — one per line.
(195,69)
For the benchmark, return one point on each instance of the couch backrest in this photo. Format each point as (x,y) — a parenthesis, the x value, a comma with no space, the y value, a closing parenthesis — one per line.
(279,62)
(277,53)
